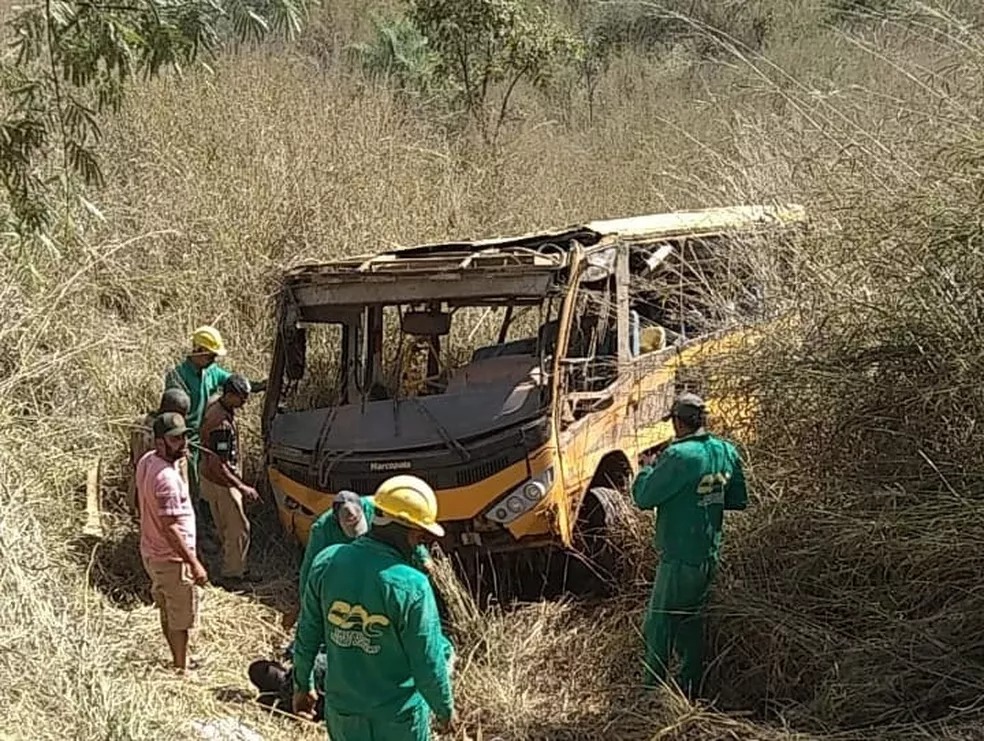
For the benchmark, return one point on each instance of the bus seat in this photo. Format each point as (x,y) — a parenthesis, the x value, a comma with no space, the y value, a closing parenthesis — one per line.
(524,346)
(500,370)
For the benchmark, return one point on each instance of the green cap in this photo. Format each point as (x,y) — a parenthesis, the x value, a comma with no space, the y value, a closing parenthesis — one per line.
(170,424)
(687,406)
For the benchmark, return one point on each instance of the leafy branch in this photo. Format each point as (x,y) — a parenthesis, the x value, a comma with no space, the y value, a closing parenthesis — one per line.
(400,53)
(493,45)
(72,61)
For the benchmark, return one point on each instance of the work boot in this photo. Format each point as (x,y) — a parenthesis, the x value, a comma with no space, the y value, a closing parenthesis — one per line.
(236,583)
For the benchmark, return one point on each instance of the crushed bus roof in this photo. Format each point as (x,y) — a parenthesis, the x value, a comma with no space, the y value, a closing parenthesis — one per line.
(697,223)
(518,266)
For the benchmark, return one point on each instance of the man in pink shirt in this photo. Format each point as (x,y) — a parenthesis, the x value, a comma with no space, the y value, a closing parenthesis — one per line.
(167,534)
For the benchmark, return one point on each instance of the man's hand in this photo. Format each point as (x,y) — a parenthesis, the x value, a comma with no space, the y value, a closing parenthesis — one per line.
(198,573)
(647,459)
(290,617)
(304,704)
(250,494)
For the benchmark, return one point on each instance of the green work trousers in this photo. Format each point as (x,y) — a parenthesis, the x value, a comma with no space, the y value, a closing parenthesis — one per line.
(414,725)
(675,622)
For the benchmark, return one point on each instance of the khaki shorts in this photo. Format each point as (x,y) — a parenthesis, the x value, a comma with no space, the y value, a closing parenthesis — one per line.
(174,592)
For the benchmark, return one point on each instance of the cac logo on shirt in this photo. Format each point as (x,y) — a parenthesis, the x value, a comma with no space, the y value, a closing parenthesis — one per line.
(710,488)
(354,626)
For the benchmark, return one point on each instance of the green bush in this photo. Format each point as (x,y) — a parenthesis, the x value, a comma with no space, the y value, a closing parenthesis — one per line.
(401,54)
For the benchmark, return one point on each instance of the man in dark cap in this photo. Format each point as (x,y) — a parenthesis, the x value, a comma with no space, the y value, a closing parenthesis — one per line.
(167,536)
(690,485)
(142,437)
(221,479)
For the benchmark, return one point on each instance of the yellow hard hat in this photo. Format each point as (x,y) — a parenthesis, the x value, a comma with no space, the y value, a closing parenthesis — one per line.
(210,339)
(410,500)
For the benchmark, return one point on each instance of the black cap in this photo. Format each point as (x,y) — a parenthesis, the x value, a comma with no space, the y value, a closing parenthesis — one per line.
(170,424)
(237,384)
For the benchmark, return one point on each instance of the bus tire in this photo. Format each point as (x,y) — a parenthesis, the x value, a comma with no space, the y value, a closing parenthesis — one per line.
(598,525)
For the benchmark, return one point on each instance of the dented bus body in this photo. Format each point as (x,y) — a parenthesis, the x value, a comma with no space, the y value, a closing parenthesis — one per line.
(546,364)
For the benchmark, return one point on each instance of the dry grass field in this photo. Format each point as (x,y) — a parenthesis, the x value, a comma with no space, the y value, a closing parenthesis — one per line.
(850,603)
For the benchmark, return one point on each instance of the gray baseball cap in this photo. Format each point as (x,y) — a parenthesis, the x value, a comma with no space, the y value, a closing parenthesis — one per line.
(346,497)
(348,509)
(686,406)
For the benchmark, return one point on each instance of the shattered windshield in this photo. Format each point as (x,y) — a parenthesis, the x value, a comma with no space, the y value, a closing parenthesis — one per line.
(399,376)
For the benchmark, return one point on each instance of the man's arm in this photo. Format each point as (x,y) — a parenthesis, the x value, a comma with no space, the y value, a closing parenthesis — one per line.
(736,493)
(659,482)
(315,544)
(426,649)
(168,496)
(172,533)
(220,472)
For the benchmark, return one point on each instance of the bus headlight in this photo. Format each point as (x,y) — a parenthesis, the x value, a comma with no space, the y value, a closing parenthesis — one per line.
(521,499)
(534,491)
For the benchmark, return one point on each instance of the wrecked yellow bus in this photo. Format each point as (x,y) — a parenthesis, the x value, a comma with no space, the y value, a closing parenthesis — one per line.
(521,377)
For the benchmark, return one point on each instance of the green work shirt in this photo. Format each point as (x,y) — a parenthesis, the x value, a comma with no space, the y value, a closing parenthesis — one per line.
(376,615)
(326,531)
(200,387)
(690,485)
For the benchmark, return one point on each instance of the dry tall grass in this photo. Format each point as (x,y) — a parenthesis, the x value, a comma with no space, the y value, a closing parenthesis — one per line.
(849,601)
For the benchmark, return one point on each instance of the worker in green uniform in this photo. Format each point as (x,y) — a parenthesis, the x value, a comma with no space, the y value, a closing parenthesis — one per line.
(690,485)
(349,517)
(387,659)
(201,377)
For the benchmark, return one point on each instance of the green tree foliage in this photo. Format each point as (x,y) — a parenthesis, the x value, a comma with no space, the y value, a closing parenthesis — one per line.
(72,60)
(400,52)
(487,47)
